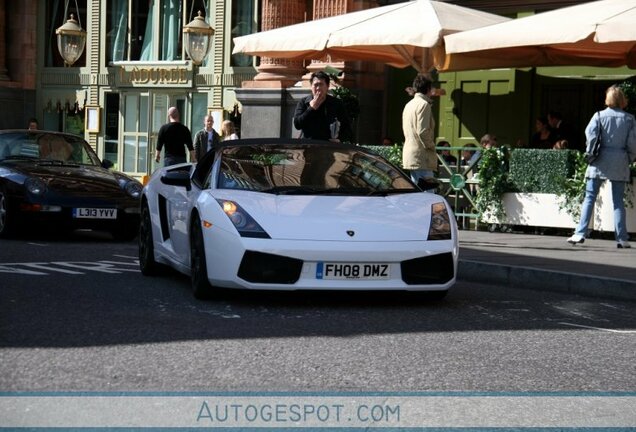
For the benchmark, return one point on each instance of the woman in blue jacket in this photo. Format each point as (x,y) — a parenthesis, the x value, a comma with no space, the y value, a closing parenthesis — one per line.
(618,149)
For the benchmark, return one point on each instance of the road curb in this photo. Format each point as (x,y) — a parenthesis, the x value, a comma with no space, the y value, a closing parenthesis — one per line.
(544,280)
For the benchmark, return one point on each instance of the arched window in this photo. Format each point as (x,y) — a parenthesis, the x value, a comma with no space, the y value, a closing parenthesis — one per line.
(149,30)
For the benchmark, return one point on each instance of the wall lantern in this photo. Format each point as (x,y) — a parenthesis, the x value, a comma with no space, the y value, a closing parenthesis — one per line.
(197,39)
(71,39)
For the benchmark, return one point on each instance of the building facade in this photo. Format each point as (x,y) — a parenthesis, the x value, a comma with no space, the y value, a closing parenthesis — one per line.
(135,66)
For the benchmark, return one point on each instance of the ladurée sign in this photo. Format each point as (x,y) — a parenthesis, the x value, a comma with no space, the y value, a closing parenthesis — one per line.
(154,75)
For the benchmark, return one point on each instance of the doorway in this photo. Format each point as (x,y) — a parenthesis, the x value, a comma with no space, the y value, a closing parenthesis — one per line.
(142,115)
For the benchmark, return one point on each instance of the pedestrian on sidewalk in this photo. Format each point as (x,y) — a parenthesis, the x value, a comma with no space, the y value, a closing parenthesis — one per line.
(228,130)
(419,155)
(207,139)
(175,137)
(617,130)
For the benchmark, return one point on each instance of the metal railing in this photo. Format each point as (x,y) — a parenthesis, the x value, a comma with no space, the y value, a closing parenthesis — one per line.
(459,184)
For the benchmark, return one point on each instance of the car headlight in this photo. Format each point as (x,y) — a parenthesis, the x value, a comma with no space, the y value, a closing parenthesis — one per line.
(35,185)
(242,221)
(133,189)
(440,223)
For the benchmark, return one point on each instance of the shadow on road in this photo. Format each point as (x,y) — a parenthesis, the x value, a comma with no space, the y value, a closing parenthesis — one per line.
(138,312)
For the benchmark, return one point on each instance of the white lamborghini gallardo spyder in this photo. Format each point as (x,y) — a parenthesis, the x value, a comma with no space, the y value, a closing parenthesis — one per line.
(290,214)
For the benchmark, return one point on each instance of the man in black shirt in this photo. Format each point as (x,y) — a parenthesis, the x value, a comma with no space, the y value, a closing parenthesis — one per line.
(316,114)
(174,136)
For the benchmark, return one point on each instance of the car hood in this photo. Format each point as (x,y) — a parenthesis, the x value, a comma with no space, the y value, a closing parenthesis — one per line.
(403,217)
(76,178)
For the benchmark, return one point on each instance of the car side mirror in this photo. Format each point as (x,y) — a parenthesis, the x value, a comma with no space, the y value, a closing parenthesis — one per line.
(107,164)
(177,178)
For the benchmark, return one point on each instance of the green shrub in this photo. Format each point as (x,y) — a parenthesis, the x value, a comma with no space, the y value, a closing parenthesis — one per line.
(494,180)
(391,153)
(572,189)
(541,171)
(350,101)
(629,89)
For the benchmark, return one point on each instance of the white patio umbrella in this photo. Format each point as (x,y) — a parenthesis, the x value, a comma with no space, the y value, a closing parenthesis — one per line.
(598,33)
(400,34)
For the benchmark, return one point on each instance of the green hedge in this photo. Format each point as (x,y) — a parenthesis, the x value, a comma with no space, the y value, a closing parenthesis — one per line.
(528,170)
(540,171)
(391,153)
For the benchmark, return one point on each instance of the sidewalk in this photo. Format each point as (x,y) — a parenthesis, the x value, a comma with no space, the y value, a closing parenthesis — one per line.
(596,268)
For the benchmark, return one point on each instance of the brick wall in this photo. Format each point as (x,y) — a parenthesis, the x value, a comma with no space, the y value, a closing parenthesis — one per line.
(19,47)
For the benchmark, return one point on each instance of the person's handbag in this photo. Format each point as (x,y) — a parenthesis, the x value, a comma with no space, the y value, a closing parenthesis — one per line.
(594,146)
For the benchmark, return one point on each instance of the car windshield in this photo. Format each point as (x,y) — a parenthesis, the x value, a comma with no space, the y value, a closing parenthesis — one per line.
(46,148)
(309,169)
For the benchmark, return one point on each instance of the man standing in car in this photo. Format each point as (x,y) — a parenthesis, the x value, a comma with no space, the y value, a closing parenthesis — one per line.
(322,116)
(174,136)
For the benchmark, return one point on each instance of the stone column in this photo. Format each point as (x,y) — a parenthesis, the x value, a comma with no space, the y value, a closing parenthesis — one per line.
(325,9)
(273,72)
(266,108)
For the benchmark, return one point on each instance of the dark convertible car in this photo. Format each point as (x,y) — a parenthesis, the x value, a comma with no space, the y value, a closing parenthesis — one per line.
(56,181)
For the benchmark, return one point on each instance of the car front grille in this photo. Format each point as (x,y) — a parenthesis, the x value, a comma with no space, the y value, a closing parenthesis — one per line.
(84,187)
(259,267)
(429,270)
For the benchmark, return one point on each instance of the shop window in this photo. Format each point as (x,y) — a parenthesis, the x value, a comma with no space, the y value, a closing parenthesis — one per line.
(149,30)
(243,23)
(199,111)
(111,128)
(135,150)
(54,19)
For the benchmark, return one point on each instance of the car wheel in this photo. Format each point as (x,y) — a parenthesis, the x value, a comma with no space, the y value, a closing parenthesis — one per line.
(147,263)
(198,264)
(8,225)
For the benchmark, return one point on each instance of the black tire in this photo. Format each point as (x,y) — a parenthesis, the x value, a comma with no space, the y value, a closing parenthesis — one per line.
(147,263)
(201,287)
(8,221)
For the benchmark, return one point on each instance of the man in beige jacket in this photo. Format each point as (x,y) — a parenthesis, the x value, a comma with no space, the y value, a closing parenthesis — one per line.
(418,125)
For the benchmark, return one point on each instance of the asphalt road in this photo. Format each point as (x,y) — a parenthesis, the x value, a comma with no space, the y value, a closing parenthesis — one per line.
(76,315)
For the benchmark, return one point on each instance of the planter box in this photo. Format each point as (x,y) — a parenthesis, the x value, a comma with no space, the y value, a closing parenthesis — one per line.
(543,210)
(533,209)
